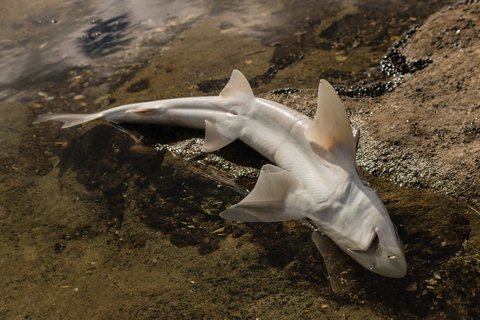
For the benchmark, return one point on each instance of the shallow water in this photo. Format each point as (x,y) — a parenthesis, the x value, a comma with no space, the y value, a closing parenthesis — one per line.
(42,42)
(95,225)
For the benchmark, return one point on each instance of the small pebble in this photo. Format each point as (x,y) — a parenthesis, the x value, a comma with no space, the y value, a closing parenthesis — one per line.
(412,287)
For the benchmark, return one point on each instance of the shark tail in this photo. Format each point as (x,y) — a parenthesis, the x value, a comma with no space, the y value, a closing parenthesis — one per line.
(68,119)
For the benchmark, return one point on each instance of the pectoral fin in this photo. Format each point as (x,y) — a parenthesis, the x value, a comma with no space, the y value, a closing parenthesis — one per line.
(277,196)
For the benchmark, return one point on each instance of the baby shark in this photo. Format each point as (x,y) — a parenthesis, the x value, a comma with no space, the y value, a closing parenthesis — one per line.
(314,177)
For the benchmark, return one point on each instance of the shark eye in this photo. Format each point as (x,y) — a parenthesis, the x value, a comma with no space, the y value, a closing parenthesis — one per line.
(392,256)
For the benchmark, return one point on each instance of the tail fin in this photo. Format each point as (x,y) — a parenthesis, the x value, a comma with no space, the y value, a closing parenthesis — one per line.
(68,119)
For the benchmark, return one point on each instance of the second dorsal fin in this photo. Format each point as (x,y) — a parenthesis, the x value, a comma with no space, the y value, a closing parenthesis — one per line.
(237,84)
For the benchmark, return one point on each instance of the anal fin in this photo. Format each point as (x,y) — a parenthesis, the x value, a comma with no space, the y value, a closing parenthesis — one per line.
(214,139)
(222,131)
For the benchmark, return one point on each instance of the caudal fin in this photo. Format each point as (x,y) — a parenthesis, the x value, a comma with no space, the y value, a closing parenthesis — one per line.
(68,119)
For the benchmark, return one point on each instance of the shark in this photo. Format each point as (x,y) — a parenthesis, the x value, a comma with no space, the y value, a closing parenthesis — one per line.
(313,176)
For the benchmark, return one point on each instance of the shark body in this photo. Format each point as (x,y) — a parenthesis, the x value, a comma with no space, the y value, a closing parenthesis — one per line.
(314,179)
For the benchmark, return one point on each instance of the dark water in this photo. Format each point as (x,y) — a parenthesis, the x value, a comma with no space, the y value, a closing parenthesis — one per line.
(95,187)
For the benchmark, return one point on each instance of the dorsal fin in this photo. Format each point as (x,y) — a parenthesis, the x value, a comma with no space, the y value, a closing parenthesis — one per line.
(237,84)
(330,129)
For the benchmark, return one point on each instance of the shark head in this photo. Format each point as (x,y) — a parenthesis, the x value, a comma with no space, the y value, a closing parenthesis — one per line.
(384,254)
(353,217)
(360,225)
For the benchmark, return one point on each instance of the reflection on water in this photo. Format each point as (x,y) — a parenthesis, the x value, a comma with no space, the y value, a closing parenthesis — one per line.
(105,37)
(56,37)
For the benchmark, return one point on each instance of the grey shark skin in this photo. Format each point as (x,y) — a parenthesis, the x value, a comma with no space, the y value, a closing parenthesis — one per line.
(314,179)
